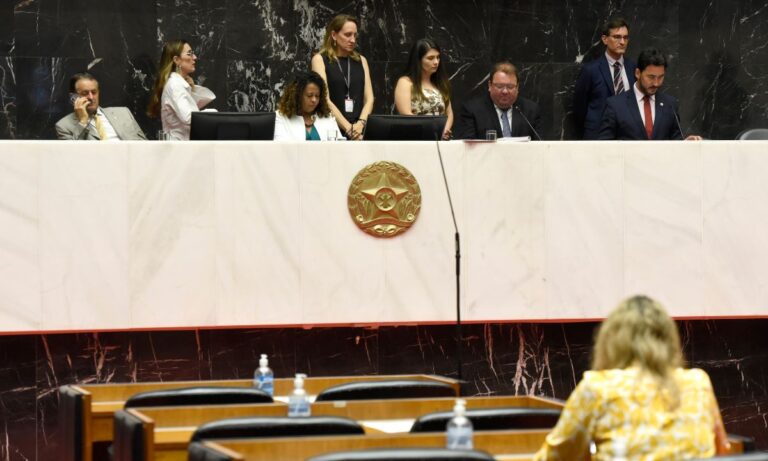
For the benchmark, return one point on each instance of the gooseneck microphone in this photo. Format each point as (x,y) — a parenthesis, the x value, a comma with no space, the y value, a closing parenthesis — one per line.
(674,114)
(458,268)
(517,108)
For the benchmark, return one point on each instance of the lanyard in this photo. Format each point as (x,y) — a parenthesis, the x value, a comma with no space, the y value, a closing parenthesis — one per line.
(347,79)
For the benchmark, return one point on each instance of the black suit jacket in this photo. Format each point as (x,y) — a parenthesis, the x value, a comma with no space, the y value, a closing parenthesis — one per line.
(622,120)
(593,87)
(477,115)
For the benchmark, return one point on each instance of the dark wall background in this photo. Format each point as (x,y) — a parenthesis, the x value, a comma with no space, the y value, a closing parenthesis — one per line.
(247,48)
(514,359)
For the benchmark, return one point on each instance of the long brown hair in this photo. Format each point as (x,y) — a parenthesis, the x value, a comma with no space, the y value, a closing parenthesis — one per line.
(171,49)
(413,71)
(328,48)
(290,100)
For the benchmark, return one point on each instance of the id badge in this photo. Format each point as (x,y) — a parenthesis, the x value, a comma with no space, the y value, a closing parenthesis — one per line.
(349,105)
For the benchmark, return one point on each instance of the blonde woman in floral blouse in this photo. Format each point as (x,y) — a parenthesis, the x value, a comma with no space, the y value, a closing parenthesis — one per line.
(638,402)
(424,88)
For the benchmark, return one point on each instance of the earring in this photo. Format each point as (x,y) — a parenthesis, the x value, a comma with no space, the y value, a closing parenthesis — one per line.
(334,43)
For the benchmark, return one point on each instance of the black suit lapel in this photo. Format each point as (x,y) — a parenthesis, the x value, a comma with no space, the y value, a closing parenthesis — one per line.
(605,71)
(634,112)
(490,110)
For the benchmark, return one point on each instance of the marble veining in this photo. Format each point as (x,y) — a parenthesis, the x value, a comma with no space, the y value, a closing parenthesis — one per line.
(498,359)
(248,48)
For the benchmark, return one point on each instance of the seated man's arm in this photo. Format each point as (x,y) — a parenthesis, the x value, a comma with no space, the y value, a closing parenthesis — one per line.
(464,125)
(608,124)
(136,128)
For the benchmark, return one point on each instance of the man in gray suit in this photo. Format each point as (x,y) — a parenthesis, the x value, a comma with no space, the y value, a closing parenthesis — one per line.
(91,122)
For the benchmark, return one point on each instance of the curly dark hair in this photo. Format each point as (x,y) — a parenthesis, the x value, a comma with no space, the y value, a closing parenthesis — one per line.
(290,100)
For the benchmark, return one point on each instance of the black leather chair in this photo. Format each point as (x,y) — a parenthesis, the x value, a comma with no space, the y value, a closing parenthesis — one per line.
(199,452)
(488,419)
(756,456)
(198,396)
(130,438)
(753,134)
(71,418)
(266,426)
(406,454)
(387,389)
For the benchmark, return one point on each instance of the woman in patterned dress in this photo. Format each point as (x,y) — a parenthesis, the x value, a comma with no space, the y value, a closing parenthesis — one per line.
(424,88)
(638,402)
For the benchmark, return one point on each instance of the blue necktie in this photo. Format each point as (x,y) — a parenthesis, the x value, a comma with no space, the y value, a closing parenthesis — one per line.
(506,131)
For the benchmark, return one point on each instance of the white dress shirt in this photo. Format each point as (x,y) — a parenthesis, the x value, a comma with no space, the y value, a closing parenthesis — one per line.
(178,102)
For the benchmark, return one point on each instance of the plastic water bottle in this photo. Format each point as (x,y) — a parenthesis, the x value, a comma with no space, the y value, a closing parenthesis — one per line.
(298,404)
(459,430)
(263,378)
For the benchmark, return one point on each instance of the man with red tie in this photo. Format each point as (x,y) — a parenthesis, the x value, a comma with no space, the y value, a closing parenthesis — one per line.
(643,113)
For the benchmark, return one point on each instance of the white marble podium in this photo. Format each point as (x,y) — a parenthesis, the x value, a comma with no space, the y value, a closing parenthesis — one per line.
(97,236)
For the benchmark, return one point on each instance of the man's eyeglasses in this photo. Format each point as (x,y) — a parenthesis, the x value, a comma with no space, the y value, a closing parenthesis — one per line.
(619,38)
(502,87)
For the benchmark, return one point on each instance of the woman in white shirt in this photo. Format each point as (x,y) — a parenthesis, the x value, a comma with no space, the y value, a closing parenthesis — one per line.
(303,113)
(175,95)
(424,88)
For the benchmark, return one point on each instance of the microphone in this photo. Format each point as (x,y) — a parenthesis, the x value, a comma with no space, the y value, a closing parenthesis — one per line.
(457,239)
(517,108)
(674,114)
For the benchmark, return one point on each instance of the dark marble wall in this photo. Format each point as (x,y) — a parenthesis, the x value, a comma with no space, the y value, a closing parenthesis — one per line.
(520,359)
(719,60)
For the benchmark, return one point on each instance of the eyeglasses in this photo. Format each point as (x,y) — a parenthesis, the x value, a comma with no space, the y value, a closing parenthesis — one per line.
(619,38)
(189,53)
(502,87)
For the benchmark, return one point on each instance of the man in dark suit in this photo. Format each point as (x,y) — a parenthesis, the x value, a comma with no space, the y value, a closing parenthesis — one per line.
(643,112)
(602,78)
(500,109)
(89,121)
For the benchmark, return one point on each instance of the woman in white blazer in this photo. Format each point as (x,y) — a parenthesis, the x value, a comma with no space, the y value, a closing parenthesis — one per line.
(303,113)
(175,95)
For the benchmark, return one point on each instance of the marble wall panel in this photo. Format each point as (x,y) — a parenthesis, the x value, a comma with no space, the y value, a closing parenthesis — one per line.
(497,359)
(247,49)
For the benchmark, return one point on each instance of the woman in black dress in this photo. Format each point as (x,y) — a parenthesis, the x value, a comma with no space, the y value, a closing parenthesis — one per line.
(346,72)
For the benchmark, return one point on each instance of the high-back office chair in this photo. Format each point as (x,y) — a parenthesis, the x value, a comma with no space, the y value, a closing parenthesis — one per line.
(753,134)
(258,427)
(406,454)
(71,413)
(488,419)
(131,438)
(199,452)
(204,395)
(388,389)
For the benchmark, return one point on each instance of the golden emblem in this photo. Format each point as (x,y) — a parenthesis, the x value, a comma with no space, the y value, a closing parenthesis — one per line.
(384,199)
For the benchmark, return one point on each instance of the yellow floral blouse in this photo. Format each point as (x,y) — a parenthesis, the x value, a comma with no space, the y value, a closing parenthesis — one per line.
(625,413)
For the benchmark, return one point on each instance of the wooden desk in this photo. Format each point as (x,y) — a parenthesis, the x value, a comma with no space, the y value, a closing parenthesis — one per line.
(169,429)
(100,401)
(509,445)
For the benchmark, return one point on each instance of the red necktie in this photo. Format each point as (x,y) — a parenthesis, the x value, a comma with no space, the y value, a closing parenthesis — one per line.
(648,116)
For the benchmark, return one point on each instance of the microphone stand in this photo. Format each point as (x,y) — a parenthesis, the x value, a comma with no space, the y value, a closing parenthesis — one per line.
(527,121)
(458,269)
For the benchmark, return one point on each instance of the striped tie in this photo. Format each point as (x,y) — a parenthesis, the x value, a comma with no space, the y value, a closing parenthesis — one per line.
(100,128)
(618,82)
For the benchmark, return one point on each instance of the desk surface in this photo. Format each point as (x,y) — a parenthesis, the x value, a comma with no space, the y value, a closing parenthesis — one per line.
(510,445)
(176,235)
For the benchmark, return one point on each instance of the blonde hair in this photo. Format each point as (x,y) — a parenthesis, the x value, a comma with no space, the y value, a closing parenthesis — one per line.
(171,49)
(640,333)
(329,48)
